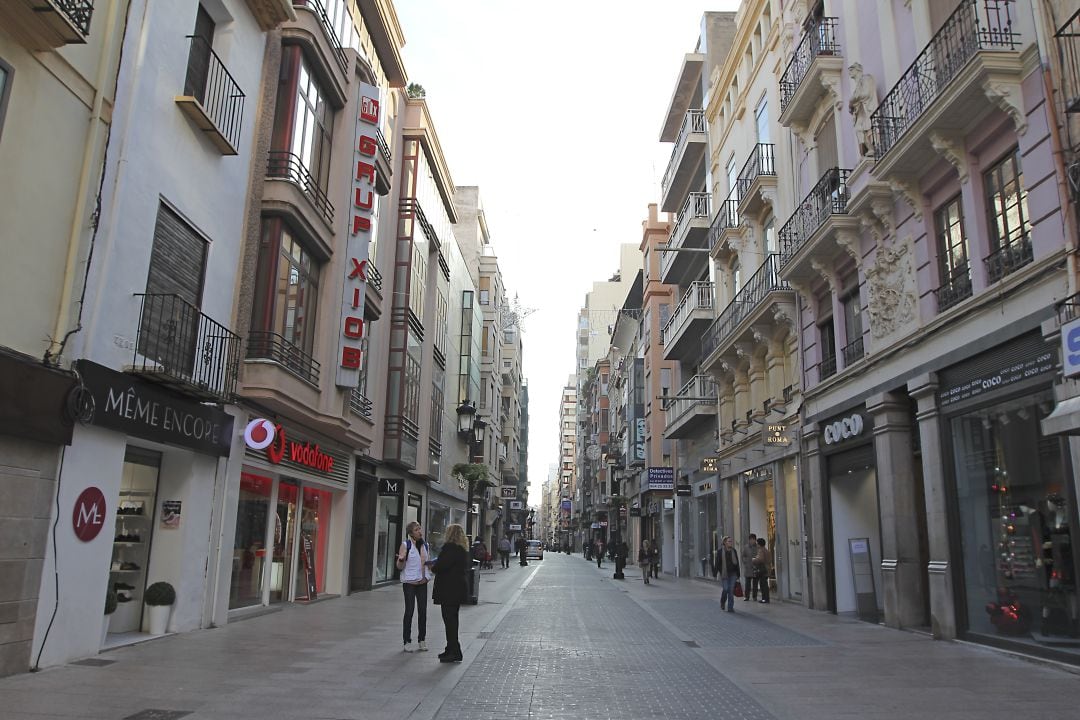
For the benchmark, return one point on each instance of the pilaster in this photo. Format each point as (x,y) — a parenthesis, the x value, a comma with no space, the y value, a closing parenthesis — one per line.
(818,581)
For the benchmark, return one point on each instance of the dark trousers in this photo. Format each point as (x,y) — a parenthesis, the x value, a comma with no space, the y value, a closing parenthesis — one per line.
(415,596)
(655,567)
(504,555)
(450,620)
(599,559)
(763,585)
(750,591)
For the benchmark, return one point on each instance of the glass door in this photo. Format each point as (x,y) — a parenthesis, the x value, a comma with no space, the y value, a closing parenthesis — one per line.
(314,516)
(795,550)
(284,539)
(249,546)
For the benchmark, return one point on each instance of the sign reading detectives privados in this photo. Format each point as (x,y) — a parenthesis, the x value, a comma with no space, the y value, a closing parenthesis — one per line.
(138,408)
(361,213)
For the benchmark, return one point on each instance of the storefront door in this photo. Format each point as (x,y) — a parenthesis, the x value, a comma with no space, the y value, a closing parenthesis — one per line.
(853,499)
(285,537)
(795,562)
(388,530)
(249,547)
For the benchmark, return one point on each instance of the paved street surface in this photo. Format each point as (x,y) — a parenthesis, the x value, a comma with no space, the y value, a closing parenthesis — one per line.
(557,639)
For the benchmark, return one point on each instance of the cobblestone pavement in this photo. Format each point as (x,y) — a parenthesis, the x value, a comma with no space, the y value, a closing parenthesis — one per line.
(557,639)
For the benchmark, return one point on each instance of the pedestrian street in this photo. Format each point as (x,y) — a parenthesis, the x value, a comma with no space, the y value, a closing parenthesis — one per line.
(557,639)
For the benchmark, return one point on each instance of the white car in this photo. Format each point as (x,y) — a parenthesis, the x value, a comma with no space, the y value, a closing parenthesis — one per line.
(534,549)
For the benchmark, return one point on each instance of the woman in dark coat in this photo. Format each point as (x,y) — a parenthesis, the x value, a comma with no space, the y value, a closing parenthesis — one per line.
(449,592)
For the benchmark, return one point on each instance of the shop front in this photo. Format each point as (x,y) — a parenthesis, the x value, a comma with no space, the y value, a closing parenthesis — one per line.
(446,507)
(1013,499)
(291,517)
(707,527)
(658,512)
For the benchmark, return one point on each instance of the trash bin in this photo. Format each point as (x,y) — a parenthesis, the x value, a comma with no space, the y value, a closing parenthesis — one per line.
(472,584)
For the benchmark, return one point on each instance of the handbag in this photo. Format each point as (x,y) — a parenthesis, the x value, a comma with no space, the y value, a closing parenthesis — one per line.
(737,591)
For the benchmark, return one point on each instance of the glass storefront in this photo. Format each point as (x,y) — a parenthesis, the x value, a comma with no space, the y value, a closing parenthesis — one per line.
(387,531)
(249,549)
(794,561)
(707,534)
(1016,511)
(438,520)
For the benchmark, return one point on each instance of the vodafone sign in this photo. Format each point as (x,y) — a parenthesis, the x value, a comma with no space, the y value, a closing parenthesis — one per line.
(259,433)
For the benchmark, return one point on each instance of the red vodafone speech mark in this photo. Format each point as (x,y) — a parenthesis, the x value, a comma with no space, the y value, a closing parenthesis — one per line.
(88,517)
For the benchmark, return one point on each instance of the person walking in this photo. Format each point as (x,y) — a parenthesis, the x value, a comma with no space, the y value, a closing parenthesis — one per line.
(504,550)
(748,552)
(449,591)
(728,569)
(412,561)
(644,560)
(761,569)
(599,552)
(654,558)
(523,546)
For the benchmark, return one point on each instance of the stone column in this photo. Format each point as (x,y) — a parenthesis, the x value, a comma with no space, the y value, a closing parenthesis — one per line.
(902,579)
(923,390)
(817,596)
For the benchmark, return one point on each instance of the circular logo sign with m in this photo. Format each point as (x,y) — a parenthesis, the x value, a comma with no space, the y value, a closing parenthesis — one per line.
(88,517)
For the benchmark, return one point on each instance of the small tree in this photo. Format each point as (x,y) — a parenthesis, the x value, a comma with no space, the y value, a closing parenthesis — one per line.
(476,474)
(416,91)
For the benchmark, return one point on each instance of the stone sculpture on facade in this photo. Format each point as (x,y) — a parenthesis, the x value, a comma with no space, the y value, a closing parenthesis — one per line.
(862,105)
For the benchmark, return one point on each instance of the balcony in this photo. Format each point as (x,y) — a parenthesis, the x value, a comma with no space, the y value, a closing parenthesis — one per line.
(360,405)
(274,347)
(1008,259)
(373,296)
(384,165)
(686,167)
(692,409)
(271,13)
(1068,45)
(726,226)
(690,233)
(970,68)
(819,229)
(212,99)
(954,290)
(815,68)
(291,191)
(409,207)
(757,180)
(180,347)
(852,352)
(681,336)
(314,30)
(826,368)
(46,24)
(751,311)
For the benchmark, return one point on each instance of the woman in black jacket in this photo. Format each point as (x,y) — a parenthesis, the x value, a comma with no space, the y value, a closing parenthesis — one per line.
(449,592)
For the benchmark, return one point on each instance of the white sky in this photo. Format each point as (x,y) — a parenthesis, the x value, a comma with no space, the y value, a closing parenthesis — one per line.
(554,110)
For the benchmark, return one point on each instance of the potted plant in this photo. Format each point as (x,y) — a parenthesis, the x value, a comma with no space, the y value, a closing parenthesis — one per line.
(159,599)
(110,608)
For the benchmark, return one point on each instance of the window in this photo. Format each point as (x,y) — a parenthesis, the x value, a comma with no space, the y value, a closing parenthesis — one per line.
(1009,225)
(761,117)
(772,245)
(485,290)
(6,71)
(827,340)
(198,68)
(736,278)
(732,176)
(953,254)
(286,288)
(304,126)
(853,351)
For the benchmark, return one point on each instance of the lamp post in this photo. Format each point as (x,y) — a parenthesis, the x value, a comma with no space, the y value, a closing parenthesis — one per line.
(472,430)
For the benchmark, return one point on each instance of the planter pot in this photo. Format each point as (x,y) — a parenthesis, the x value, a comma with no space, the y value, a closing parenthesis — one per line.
(105,629)
(158,618)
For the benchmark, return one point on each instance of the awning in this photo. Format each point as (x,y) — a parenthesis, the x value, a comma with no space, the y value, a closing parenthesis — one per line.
(1065,420)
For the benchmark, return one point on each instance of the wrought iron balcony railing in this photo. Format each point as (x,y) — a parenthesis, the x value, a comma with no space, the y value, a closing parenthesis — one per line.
(286,166)
(690,396)
(954,290)
(852,352)
(700,296)
(694,122)
(759,163)
(327,26)
(272,346)
(764,281)
(975,25)
(79,12)
(411,206)
(820,39)
(698,205)
(180,346)
(209,82)
(384,148)
(827,368)
(829,197)
(1009,258)
(727,217)
(359,405)
(1068,42)
(374,277)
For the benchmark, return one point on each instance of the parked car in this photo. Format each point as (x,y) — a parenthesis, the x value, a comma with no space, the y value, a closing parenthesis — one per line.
(534,549)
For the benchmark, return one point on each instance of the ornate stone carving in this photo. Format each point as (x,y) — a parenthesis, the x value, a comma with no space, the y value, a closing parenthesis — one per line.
(952,150)
(784,315)
(863,103)
(768,196)
(849,241)
(869,222)
(892,302)
(831,84)
(824,271)
(1008,97)
(909,191)
(803,291)
(884,209)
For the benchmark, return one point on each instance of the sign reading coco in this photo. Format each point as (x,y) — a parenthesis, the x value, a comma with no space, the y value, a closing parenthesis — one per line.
(261,434)
(361,213)
(843,429)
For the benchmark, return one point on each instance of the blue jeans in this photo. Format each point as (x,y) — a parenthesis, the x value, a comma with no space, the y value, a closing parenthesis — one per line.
(415,596)
(728,583)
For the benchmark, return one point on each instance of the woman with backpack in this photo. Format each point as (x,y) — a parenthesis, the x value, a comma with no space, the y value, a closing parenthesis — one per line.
(449,593)
(412,561)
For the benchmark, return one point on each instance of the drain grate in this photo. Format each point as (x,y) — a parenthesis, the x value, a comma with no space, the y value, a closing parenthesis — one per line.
(159,714)
(93,662)
(485,635)
(691,643)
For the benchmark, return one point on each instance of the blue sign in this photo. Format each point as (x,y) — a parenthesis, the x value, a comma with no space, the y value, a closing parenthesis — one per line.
(661,478)
(1070,348)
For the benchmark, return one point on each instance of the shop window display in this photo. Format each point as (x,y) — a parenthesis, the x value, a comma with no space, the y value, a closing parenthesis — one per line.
(1016,523)
(249,545)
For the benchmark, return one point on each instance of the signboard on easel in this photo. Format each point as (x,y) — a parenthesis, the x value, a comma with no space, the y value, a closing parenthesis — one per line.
(862,576)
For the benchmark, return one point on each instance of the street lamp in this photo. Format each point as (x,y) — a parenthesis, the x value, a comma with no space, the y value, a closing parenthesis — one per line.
(472,430)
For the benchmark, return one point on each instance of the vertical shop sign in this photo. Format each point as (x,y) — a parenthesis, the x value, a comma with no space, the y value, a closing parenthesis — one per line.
(361,212)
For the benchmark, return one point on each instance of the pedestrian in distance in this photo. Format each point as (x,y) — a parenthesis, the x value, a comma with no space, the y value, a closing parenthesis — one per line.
(522,547)
(748,553)
(729,571)
(450,590)
(761,569)
(654,558)
(479,552)
(644,560)
(504,550)
(599,552)
(412,561)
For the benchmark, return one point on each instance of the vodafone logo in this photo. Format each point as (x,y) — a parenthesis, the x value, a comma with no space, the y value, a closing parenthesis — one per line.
(259,434)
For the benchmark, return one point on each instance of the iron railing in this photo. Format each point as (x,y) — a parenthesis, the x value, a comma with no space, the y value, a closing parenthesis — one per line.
(975,25)
(374,277)
(759,163)
(829,197)
(316,7)
(827,368)
(1068,45)
(178,344)
(286,166)
(820,39)
(1009,258)
(698,205)
(690,396)
(359,405)
(1068,309)
(852,352)
(78,12)
(272,346)
(209,82)
(727,217)
(764,281)
(699,296)
(954,290)
(411,206)
(384,148)
(694,122)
